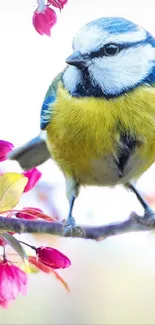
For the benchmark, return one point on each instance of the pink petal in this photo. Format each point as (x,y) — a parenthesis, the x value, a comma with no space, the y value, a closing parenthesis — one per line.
(44,19)
(26,215)
(52,258)
(41,24)
(29,213)
(20,278)
(58,3)
(41,266)
(12,282)
(50,16)
(5,148)
(4,303)
(8,288)
(33,176)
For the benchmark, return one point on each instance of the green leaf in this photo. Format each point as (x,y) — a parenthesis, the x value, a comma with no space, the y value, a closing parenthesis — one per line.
(15,244)
(11,188)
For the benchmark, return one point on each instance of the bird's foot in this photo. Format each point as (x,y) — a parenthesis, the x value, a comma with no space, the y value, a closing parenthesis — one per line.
(71,230)
(148,219)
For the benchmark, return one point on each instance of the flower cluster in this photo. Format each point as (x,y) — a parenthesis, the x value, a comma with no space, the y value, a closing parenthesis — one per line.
(13,280)
(45,17)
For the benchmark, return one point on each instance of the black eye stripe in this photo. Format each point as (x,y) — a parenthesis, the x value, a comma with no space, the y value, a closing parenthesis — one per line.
(101,51)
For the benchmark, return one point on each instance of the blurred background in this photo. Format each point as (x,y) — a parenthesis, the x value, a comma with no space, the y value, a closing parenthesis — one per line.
(112,281)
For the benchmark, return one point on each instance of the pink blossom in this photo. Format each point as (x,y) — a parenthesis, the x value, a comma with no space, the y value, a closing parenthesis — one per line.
(5,148)
(52,258)
(57,3)
(12,282)
(33,176)
(4,303)
(44,19)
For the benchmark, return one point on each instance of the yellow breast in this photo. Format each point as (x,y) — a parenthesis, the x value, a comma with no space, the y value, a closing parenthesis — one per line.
(87,129)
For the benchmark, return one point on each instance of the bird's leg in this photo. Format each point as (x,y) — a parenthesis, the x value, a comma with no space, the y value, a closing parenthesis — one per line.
(70,220)
(149,216)
(70,227)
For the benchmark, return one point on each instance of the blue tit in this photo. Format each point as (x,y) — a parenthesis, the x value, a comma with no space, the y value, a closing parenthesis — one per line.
(98,115)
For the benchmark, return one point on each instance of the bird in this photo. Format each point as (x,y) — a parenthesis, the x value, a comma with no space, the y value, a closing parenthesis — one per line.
(97,119)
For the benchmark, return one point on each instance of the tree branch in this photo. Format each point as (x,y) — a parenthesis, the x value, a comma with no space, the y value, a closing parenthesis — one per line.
(133,223)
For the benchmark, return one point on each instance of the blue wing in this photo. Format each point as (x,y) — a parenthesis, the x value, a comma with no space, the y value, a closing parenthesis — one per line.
(48,107)
(46,111)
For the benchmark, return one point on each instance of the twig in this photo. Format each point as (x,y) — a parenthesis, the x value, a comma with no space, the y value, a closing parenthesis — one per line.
(132,224)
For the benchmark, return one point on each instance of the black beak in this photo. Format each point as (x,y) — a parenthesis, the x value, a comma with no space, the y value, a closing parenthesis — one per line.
(76,59)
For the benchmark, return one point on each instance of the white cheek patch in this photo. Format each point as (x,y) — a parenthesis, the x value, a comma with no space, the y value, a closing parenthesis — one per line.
(92,38)
(71,78)
(123,71)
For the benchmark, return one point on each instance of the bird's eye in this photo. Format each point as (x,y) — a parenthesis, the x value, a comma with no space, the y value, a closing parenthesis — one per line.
(108,49)
(111,49)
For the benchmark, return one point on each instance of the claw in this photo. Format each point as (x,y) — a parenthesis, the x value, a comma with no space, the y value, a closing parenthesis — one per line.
(149,218)
(71,230)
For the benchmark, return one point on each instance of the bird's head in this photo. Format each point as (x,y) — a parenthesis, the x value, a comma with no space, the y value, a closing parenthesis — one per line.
(111,56)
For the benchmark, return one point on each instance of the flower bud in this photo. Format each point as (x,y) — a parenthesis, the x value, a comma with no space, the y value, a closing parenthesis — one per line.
(44,19)
(52,258)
